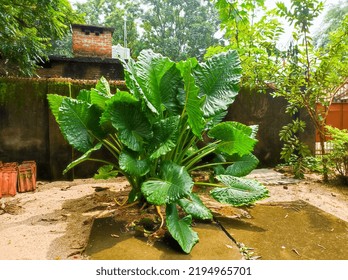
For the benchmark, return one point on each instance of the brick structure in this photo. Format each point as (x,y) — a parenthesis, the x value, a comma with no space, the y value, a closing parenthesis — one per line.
(92,49)
(92,41)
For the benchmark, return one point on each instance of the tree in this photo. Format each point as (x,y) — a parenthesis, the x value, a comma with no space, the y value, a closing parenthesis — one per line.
(62,47)
(303,75)
(332,21)
(254,37)
(311,76)
(113,13)
(179,29)
(26,30)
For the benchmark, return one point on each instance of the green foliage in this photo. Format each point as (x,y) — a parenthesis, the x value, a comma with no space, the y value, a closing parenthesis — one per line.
(154,134)
(27,29)
(253,31)
(301,13)
(294,151)
(304,75)
(332,21)
(106,172)
(338,157)
(179,29)
(311,76)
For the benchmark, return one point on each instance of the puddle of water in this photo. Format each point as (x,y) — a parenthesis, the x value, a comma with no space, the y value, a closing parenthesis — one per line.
(291,231)
(110,241)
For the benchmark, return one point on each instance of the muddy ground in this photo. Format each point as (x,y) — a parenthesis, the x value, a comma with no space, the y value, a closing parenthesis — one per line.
(55,220)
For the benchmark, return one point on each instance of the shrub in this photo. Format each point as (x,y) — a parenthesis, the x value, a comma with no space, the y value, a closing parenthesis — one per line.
(338,157)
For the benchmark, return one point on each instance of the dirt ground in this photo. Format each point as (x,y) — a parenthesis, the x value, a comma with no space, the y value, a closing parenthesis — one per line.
(54,221)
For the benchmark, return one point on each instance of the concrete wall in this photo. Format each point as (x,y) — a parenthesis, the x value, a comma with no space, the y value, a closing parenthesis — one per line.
(28,130)
(269,114)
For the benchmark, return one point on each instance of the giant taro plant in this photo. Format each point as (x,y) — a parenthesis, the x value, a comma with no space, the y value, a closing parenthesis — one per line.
(155,135)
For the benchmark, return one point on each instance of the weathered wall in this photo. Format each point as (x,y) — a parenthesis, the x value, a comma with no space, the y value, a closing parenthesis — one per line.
(85,68)
(28,130)
(269,114)
(23,122)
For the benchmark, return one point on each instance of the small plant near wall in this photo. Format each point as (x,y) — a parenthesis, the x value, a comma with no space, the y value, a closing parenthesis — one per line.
(155,134)
(337,159)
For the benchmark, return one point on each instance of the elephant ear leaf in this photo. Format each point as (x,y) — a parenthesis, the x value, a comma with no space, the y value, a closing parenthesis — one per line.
(55,100)
(131,123)
(193,102)
(242,165)
(235,138)
(180,228)
(218,80)
(150,69)
(103,87)
(132,165)
(79,123)
(238,191)
(83,158)
(165,136)
(174,183)
(195,207)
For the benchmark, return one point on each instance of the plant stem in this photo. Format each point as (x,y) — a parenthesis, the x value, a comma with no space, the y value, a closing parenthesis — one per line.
(112,149)
(208,184)
(210,165)
(205,151)
(102,161)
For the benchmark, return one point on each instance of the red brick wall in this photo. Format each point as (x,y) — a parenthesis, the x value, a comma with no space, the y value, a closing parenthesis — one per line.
(91,42)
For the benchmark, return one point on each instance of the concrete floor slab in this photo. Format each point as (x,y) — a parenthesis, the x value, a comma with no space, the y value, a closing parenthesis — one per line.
(110,241)
(290,231)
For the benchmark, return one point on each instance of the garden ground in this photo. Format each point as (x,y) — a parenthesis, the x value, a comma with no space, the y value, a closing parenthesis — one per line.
(54,222)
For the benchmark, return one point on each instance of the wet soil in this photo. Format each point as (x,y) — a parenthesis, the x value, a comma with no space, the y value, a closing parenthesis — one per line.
(55,221)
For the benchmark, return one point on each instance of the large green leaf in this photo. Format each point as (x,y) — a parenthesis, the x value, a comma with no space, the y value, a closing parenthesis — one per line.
(242,165)
(193,103)
(79,123)
(98,98)
(218,80)
(170,87)
(235,138)
(54,101)
(101,93)
(173,183)
(133,84)
(132,125)
(180,228)
(238,191)
(123,96)
(216,119)
(84,95)
(150,68)
(130,163)
(165,136)
(103,87)
(195,207)
(86,156)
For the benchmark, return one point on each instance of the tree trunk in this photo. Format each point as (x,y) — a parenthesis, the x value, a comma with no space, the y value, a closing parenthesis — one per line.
(324,159)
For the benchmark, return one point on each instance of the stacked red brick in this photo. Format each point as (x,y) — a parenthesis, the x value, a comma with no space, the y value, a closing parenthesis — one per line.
(92,41)
(14,177)
(8,179)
